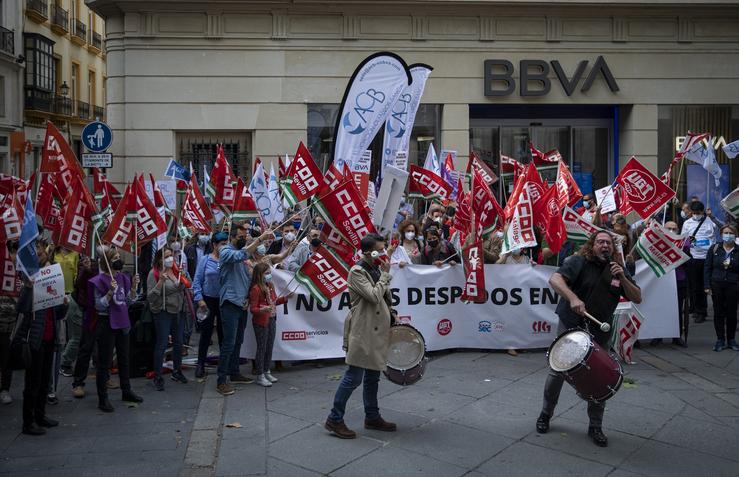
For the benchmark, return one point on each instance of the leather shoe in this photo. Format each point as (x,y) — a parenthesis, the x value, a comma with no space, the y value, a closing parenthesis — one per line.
(339,429)
(200,372)
(130,396)
(105,405)
(47,422)
(34,430)
(380,424)
(596,434)
(542,423)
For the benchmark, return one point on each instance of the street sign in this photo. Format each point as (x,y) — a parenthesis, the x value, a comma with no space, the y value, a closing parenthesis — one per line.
(101,160)
(97,136)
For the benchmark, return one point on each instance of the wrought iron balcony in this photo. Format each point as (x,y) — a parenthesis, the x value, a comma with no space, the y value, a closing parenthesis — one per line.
(37,10)
(37,100)
(59,20)
(83,110)
(62,105)
(96,40)
(98,112)
(7,41)
(79,33)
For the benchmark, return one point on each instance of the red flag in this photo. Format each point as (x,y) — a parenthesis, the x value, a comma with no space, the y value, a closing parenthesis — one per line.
(304,177)
(10,283)
(541,158)
(333,176)
(341,208)
(332,239)
(245,208)
(48,203)
(427,185)
(11,217)
(120,231)
(282,169)
(474,272)
(158,196)
(462,218)
(510,165)
(222,185)
(485,208)
(567,189)
(325,274)
(548,211)
(104,190)
(195,212)
(76,228)
(644,191)
(58,157)
(536,189)
(486,173)
(149,224)
(8,184)
(690,139)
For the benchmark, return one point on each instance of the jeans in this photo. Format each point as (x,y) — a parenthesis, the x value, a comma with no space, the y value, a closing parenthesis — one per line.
(553,387)
(37,383)
(230,319)
(5,371)
(698,300)
(235,355)
(84,353)
(74,334)
(265,336)
(351,380)
(206,328)
(724,309)
(106,339)
(166,323)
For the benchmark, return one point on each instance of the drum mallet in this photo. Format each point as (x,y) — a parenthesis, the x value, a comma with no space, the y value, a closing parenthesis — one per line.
(604,327)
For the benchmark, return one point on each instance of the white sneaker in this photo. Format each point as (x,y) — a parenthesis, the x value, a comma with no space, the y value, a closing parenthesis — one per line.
(263,381)
(269,376)
(5,397)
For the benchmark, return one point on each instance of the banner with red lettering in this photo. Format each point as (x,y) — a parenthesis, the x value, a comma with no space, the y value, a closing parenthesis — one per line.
(645,192)
(303,177)
(325,274)
(474,272)
(10,284)
(425,184)
(343,208)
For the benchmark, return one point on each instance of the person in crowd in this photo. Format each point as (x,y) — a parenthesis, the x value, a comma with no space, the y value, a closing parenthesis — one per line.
(591,281)
(722,275)
(235,281)
(263,301)
(166,297)
(285,241)
(701,233)
(366,337)
(111,291)
(588,208)
(409,247)
(75,315)
(435,218)
(179,255)
(519,256)
(437,250)
(492,246)
(681,276)
(196,251)
(205,288)
(40,329)
(87,334)
(8,319)
(318,222)
(303,250)
(714,219)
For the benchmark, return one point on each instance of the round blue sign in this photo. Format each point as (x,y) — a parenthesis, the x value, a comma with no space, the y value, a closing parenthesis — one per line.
(97,136)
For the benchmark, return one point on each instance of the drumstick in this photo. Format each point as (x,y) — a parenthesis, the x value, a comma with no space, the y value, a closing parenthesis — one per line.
(604,327)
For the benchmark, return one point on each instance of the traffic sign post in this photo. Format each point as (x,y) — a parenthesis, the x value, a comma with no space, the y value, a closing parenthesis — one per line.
(97,136)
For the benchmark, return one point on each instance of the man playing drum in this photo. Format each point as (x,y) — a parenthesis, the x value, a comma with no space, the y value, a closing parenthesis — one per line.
(366,337)
(593,282)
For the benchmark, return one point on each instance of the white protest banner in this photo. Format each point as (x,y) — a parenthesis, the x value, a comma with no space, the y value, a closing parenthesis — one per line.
(48,287)
(401,161)
(606,199)
(517,313)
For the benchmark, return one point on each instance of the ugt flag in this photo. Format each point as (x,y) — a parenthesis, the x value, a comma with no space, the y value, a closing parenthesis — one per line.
(644,191)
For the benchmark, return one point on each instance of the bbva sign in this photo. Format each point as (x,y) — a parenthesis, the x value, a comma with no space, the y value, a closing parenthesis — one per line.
(499,79)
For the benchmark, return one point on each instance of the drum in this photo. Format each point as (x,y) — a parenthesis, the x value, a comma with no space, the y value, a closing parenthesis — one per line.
(591,370)
(406,358)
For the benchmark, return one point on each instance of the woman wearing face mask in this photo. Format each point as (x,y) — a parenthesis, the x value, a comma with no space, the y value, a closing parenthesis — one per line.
(109,296)
(166,296)
(263,301)
(437,251)
(409,248)
(722,273)
(520,256)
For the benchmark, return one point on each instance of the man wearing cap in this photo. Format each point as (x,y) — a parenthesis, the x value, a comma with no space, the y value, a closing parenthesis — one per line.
(702,234)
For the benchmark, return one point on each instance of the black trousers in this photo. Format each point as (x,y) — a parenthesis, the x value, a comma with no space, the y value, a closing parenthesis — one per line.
(37,383)
(5,369)
(683,308)
(698,301)
(106,339)
(724,309)
(206,327)
(84,353)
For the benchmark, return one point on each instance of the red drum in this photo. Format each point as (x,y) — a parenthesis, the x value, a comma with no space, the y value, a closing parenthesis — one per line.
(406,358)
(591,370)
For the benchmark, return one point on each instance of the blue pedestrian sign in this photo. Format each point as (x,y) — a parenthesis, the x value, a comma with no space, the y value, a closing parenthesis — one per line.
(97,136)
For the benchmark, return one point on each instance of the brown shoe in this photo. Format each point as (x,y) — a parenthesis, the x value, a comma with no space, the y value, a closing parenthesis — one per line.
(339,429)
(225,389)
(380,424)
(78,392)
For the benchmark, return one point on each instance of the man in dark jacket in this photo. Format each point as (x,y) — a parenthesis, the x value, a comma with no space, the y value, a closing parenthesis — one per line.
(195,251)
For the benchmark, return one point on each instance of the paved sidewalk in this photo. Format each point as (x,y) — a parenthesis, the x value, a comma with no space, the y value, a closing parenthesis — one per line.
(472,414)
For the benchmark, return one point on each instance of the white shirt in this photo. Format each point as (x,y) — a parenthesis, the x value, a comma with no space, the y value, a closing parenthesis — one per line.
(704,237)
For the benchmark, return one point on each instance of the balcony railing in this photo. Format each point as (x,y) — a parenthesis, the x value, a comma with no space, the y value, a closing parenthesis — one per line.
(62,105)
(59,18)
(80,30)
(96,40)
(98,112)
(38,100)
(38,9)
(7,41)
(83,110)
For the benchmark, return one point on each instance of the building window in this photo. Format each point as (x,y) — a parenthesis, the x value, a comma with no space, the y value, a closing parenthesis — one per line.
(2,96)
(198,150)
(322,122)
(39,62)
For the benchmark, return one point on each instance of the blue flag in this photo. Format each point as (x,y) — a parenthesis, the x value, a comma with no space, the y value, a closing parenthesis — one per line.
(177,171)
(26,260)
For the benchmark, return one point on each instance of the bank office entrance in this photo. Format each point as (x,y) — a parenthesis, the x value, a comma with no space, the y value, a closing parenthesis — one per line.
(586,136)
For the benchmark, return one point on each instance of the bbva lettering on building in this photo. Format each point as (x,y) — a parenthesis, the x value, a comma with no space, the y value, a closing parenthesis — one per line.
(499,80)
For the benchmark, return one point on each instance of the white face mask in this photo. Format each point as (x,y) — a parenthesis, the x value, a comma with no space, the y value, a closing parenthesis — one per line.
(410,235)
(683,214)
(289,237)
(168,262)
(499,234)
(175,246)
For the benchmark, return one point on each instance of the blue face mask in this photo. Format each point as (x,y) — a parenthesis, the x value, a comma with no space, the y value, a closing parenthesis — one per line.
(729,238)
(262,250)
(268,278)
(296,225)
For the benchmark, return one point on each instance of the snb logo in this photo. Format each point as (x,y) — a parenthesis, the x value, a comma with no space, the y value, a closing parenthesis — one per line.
(355,121)
(538,327)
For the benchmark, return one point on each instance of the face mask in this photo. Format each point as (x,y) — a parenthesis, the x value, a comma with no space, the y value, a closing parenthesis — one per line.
(432,243)
(437,220)
(117,264)
(296,225)
(168,262)
(697,216)
(240,243)
(262,250)
(315,243)
(586,204)
(410,235)
(683,214)
(203,239)
(499,234)
(175,246)
(289,237)
(517,252)
(728,238)
(268,278)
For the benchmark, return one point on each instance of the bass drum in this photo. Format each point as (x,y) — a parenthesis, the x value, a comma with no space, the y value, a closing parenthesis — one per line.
(406,358)
(591,370)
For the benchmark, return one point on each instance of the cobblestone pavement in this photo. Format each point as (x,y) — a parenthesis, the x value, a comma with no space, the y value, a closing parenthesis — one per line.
(472,414)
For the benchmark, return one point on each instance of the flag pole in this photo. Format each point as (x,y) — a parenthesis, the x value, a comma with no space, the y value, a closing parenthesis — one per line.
(136,248)
(105,257)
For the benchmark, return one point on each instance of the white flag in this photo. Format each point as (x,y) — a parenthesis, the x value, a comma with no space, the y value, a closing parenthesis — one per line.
(732,149)
(706,157)
(629,321)
(258,190)
(432,161)
(277,212)
(520,233)
(660,252)
(730,203)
